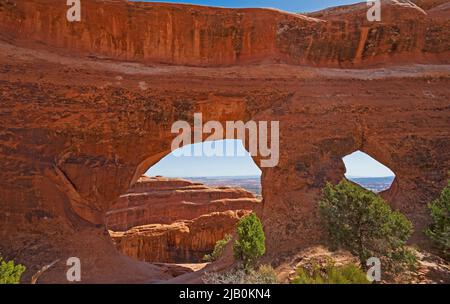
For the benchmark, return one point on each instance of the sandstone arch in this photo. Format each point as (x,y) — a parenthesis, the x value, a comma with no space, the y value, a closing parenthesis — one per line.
(68,122)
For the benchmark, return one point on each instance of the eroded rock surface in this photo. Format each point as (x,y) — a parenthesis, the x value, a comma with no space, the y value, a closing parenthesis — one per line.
(195,35)
(79,125)
(171,220)
(179,242)
(160,200)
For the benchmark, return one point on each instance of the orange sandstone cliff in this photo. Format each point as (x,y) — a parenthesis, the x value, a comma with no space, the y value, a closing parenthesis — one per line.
(204,36)
(86,109)
(161,200)
(179,242)
(170,220)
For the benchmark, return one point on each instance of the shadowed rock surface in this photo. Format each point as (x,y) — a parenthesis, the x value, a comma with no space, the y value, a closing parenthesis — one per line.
(85,110)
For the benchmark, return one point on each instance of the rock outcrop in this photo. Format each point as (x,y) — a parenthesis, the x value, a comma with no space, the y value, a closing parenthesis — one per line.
(179,242)
(171,220)
(161,200)
(196,35)
(79,126)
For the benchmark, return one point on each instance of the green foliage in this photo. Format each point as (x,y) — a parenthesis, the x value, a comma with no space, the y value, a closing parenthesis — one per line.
(9,272)
(330,274)
(250,244)
(400,260)
(264,275)
(360,221)
(218,249)
(439,230)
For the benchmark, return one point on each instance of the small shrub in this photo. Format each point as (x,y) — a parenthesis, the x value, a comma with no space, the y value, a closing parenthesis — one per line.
(234,276)
(400,260)
(360,221)
(439,230)
(250,244)
(9,272)
(330,274)
(264,275)
(218,249)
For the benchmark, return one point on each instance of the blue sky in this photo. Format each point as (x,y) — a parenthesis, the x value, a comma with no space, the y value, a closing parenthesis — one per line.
(286,5)
(358,164)
(198,166)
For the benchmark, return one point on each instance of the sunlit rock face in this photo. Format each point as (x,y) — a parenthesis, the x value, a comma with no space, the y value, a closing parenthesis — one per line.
(79,125)
(161,200)
(179,242)
(203,36)
(171,220)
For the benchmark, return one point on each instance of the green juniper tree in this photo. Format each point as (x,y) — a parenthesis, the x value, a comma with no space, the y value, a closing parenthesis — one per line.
(439,230)
(250,244)
(360,221)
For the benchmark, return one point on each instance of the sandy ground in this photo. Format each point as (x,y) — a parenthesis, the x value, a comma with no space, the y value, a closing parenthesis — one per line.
(430,270)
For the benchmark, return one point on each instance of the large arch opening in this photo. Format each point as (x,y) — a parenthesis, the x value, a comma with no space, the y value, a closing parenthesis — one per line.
(367,172)
(177,211)
(236,169)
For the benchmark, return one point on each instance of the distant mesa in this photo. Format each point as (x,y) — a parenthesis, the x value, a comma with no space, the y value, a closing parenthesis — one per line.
(161,200)
(186,241)
(173,220)
(375,184)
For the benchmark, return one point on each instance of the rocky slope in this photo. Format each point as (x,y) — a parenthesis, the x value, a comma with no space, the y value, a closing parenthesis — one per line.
(179,242)
(78,125)
(161,200)
(430,268)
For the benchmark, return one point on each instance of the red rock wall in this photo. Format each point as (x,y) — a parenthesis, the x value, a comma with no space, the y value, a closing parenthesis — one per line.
(164,201)
(76,133)
(194,35)
(179,242)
